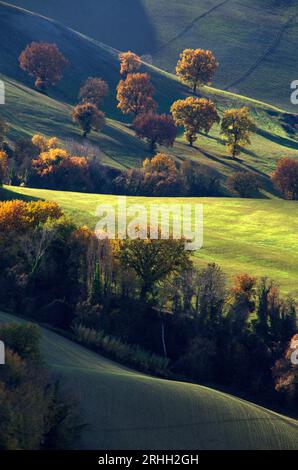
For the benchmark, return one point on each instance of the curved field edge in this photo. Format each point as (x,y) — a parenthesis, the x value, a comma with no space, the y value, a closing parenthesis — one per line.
(128,410)
(256,236)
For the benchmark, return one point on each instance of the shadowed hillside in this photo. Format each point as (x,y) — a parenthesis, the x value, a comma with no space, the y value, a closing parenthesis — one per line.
(257,57)
(28,111)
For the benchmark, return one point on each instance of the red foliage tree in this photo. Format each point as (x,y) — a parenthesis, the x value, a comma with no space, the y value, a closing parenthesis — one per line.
(94,91)
(155,129)
(285,178)
(44,62)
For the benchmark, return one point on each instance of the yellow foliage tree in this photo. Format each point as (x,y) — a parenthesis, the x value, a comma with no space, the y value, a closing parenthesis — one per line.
(18,216)
(194,115)
(196,67)
(237,127)
(43,143)
(161,163)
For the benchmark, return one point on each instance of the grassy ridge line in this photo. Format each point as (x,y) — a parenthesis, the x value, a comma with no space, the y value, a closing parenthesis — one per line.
(128,410)
(241,235)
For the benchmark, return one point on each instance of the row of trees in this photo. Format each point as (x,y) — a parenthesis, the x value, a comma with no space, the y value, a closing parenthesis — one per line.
(47,163)
(196,67)
(150,294)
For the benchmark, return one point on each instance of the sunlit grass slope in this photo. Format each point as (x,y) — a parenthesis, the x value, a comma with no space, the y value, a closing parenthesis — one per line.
(124,409)
(242,235)
(254,40)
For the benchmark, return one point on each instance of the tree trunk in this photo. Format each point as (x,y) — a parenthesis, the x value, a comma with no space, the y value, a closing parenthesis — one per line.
(163,339)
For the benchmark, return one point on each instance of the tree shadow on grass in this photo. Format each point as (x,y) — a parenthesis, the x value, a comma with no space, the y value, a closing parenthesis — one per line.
(11,195)
(284,141)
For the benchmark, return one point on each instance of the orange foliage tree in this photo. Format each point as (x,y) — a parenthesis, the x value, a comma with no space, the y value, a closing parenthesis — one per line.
(196,67)
(88,117)
(129,62)
(195,115)
(285,178)
(48,160)
(155,129)
(44,62)
(18,216)
(94,91)
(134,94)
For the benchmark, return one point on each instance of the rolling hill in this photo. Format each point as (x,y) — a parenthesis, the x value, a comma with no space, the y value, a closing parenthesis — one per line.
(28,111)
(124,409)
(254,40)
(241,235)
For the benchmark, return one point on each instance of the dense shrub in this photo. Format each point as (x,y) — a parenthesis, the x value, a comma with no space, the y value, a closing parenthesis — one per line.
(129,354)
(285,178)
(244,183)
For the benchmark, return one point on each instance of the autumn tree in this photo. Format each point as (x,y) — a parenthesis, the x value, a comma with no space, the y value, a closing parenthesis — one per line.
(153,260)
(285,178)
(3,166)
(43,143)
(17,216)
(285,373)
(44,62)
(155,129)
(48,160)
(161,176)
(94,90)
(237,127)
(88,117)
(196,67)
(195,115)
(161,163)
(134,94)
(241,302)
(244,183)
(129,62)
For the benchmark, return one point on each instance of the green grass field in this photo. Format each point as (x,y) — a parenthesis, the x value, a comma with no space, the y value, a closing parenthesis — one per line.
(124,409)
(241,235)
(257,58)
